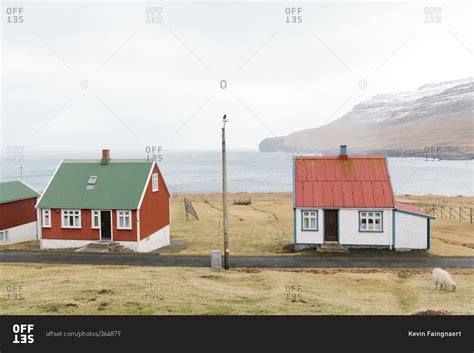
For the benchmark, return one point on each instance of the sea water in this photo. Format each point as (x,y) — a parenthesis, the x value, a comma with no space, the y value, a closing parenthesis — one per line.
(250,171)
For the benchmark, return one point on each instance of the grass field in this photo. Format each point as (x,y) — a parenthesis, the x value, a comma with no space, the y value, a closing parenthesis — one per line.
(265,227)
(453,201)
(108,290)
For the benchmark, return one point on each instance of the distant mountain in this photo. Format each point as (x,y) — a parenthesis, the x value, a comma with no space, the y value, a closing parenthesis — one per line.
(438,115)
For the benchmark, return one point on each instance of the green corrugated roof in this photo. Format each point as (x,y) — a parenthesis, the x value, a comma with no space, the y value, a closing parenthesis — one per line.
(15,190)
(119,185)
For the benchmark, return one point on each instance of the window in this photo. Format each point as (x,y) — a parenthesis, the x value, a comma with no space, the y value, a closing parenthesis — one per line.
(70,218)
(95,222)
(91,182)
(154,182)
(92,179)
(46,217)
(4,235)
(124,219)
(309,220)
(370,221)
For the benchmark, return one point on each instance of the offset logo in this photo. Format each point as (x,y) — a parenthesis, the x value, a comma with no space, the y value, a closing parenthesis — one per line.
(154,153)
(14,15)
(294,14)
(23,333)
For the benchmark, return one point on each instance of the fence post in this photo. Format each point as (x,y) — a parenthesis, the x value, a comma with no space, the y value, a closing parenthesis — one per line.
(471,214)
(450,212)
(441,212)
(433,210)
(460,216)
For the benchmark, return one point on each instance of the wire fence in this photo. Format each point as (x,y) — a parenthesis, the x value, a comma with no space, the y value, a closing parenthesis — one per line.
(462,214)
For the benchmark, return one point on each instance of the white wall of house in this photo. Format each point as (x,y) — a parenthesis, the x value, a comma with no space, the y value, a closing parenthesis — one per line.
(411,231)
(156,240)
(21,233)
(153,242)
(307,236)
(63,243)
(349,233)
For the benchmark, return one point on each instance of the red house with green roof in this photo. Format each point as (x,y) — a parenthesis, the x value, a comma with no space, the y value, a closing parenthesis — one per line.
(124,201)
(17,212)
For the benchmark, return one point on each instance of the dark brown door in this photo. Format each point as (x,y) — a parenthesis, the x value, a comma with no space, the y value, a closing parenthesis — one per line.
(330,225)
(105,224)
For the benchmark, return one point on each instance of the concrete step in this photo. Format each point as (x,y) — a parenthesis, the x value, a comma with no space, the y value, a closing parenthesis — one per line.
(332,247)
(101,246)
(103,241)
(402,249)
(94,248)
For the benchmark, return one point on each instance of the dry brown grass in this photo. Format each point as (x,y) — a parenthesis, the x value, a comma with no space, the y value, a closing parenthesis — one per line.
(453,201)
(266,226)
(109,290)
(27,245)
(452,238)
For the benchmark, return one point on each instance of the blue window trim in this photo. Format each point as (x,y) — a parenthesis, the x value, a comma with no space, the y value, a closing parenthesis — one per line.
(317,220)
(371,231)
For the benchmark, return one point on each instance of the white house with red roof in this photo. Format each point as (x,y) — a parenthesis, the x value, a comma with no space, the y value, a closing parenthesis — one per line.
(349,201)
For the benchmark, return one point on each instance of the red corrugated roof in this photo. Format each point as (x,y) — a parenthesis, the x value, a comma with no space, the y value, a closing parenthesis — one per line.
(409,208)
(357,182)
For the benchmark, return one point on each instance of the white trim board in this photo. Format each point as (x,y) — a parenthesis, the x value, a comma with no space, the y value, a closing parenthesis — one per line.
(146,185)
(49,182)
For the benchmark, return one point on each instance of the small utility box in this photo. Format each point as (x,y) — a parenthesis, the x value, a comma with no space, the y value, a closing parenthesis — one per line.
(216,259)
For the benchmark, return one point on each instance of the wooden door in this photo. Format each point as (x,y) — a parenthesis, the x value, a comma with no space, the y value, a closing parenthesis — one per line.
(105,225)
(331,225)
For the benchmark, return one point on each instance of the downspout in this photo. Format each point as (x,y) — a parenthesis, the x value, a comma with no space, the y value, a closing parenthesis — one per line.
(39,220)
(428,236)
(294,225)
(293,198)
(138,227)
(392,245)
(169,225)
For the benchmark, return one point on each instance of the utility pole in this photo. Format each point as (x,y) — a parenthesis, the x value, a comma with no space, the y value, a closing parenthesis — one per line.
(224,197)
(21,172)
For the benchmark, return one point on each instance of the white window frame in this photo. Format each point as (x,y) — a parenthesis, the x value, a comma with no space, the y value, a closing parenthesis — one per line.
(309,215)
(46,212)
(95,213)
(124,214)
(4,235)
(371,224)
(154,182)
(73,212)
(92,180)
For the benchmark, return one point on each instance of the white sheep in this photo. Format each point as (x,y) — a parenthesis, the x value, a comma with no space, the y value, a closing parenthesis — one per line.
(444,279)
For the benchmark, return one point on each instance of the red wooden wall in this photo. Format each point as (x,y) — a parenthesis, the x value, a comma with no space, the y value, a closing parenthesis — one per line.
(155,208)
(16,213)
(56,232)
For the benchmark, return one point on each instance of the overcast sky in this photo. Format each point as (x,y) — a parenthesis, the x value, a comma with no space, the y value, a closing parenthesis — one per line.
(160,83)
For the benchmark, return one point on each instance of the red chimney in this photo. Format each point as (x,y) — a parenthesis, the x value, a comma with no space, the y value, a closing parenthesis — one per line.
(343,153)
(105,157)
